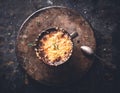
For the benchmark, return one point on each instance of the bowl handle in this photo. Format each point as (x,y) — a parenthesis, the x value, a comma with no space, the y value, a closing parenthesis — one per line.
(74,35)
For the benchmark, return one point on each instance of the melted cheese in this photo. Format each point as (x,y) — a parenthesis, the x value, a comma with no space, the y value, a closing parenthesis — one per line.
(56,46)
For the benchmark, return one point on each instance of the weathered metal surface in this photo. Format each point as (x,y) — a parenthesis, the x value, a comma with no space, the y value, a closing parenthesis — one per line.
(104,17)
(70,21)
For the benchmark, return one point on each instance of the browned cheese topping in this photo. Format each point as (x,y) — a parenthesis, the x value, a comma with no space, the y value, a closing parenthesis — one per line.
(55,46)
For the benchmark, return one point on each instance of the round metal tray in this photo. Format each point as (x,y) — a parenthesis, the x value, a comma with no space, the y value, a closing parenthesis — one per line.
(67,19)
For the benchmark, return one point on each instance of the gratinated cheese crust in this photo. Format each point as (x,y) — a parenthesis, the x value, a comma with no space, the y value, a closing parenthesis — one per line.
(55,47)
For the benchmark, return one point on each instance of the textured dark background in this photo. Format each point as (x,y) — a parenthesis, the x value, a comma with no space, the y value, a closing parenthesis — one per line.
(103,16)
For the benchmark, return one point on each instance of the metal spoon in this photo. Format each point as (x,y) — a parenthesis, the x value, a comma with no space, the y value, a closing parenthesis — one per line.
(89,51)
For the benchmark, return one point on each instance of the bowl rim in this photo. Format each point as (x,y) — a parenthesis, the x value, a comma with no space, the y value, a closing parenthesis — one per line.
(45,32)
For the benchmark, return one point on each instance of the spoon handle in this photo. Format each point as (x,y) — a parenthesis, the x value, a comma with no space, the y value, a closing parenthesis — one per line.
(89,51)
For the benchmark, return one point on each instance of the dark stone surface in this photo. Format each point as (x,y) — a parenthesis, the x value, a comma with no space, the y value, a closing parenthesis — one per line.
(104,17)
